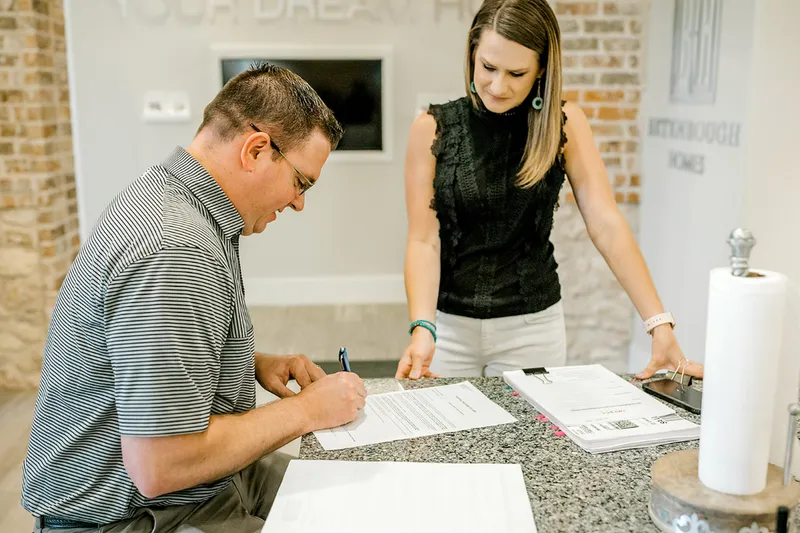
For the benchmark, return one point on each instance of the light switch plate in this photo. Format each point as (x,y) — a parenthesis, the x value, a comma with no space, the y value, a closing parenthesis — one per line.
(166,106)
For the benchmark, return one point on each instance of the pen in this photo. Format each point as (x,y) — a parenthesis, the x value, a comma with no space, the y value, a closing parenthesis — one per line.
(783,520)
(343,360)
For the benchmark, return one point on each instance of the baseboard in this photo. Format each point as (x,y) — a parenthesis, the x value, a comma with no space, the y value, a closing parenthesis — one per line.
(325,290)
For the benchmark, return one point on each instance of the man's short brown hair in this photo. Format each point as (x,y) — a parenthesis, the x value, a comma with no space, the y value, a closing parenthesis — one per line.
(274,98)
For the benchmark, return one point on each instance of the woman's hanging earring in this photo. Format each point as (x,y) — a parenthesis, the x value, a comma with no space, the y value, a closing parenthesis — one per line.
(472,87)
(538,102)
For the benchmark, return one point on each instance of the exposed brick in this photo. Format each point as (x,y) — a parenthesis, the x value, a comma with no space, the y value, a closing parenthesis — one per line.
(633,131)
(576,8)
(619,197)
(8,23)
(619,78)
(633,61)
(607,130)
(617,113)
(12,130)
(570,61)
(45,166)
(623,7)
(590,112)
(41,131)
(581,43)
(604,96)
(39,78)
(633,198)
(8,60)
(37,59)
(619,180)
(585,78)
(41,6)
(603,61)
(636,27)
(568,25)
(36,113)
(570,96)
(635,180)
(622,44)
(604,26)
(610,147)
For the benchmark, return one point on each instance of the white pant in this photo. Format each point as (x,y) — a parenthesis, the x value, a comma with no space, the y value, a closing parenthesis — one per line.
(470,347)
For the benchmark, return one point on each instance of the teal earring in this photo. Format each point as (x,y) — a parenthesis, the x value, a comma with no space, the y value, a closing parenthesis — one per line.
(472,87)
(537,102)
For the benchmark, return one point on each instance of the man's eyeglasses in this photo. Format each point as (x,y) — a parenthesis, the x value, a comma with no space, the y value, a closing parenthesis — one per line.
(305,183)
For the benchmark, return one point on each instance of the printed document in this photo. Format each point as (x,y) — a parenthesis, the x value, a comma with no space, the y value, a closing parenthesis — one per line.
(367,497)
(416,413)
(599,410)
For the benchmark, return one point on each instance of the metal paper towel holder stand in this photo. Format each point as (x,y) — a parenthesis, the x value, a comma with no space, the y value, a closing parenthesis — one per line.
(680,503)
(741,242)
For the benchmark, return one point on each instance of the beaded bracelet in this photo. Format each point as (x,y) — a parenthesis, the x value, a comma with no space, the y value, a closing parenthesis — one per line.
(427,324)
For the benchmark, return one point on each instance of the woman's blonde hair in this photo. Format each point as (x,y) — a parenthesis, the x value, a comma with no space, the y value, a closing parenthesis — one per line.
(532,24)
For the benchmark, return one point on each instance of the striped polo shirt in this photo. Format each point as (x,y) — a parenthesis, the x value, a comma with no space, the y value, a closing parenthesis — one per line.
(150,336)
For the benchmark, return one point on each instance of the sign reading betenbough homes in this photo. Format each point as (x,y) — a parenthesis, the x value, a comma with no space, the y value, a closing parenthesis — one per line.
(720,133)
(264,11)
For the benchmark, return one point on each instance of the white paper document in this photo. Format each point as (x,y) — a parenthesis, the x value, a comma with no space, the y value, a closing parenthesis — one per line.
(416,413)
(599,410)
(376,497)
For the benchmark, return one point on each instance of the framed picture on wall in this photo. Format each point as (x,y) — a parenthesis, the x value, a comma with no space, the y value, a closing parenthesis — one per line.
(355,82)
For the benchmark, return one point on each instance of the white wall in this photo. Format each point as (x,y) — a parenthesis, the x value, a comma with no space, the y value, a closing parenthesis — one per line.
(772,209)
(686,215)
(772,191)
(348,244)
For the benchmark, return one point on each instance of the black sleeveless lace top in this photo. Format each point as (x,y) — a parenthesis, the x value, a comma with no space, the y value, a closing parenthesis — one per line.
(496,255)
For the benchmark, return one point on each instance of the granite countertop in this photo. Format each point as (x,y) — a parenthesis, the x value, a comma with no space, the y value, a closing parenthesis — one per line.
(569,489)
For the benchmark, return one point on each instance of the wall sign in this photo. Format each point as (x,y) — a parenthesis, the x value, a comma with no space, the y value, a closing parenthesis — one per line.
(265,11)
(697,26)
(710,132)
(695,51)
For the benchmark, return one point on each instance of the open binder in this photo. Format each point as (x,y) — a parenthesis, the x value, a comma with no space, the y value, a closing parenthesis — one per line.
(598,410)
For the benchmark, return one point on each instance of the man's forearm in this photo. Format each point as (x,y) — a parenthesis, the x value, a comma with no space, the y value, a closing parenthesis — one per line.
(160,465)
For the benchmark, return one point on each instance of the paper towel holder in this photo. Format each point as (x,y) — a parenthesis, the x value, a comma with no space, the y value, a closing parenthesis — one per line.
(741,241)
(791,438)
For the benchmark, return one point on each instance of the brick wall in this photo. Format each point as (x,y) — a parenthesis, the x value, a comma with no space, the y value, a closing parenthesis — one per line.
(603,57)
(38,210)
(603,60)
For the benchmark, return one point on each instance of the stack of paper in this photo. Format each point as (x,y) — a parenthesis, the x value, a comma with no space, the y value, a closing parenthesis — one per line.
(394,497)
(599,410)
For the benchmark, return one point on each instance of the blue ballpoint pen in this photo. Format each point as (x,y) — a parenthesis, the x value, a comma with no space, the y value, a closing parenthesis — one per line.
(343,360)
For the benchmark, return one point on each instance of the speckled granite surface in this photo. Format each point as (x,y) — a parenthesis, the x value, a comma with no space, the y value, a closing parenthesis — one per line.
(570,489)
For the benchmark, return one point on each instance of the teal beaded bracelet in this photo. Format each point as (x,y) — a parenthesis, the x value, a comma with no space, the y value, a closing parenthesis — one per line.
(427,324)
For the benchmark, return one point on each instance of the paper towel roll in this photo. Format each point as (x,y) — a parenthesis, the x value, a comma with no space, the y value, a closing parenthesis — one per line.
(743,346)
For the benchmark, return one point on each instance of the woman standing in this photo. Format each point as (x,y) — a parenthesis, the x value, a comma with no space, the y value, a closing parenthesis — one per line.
(483,176)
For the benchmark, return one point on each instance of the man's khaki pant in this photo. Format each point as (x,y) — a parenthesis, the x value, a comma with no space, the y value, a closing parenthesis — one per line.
(241,508)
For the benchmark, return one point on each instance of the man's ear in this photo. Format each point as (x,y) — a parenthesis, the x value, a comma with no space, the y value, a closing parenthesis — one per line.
(255,145)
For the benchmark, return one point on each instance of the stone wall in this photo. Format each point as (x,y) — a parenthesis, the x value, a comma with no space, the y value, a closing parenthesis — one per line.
(38,209)
(603,56)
